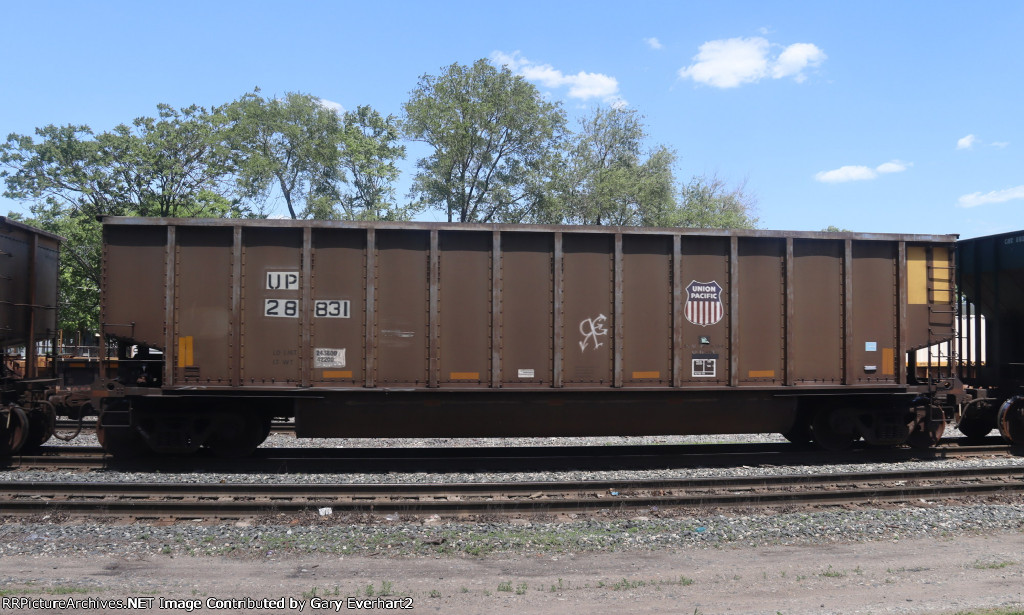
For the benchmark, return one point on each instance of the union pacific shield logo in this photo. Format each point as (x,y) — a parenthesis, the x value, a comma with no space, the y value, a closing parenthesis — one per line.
(703,303)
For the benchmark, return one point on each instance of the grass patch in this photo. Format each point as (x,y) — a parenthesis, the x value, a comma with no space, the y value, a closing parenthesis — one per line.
(996,565)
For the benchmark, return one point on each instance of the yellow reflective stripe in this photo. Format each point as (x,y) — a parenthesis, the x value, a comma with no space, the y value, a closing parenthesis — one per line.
(185,358)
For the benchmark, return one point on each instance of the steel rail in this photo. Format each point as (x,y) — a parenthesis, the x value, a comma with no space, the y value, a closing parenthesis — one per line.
(347,460)
(230,500)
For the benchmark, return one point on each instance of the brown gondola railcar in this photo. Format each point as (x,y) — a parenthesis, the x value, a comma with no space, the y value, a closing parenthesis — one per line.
(29,260)
(444,330)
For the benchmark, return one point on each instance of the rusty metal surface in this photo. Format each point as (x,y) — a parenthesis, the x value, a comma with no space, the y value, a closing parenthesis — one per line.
(329,305)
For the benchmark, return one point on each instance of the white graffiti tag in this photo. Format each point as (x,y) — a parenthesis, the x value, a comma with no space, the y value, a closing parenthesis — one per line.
(590,329)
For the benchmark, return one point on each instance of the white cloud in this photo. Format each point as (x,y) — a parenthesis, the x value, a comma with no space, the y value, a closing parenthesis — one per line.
(1000,144)
(333,106)
(967,142)
(654,43)
(893,166)
(795,58)
(582,85)
(728,63)
(851,173)
(848,173)
(996,196)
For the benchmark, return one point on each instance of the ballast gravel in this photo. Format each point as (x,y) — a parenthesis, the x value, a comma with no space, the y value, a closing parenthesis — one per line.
(397,534)
(923,557)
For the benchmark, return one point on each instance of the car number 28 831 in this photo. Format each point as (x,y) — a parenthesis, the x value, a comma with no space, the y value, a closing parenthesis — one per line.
(322,308)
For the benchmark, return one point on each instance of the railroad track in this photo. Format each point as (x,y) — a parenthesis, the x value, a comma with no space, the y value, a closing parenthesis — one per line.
(89,425)
(228,501)
(525,458)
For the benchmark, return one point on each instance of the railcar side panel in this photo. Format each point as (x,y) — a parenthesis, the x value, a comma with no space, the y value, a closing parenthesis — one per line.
(588,310)
(706,310)
(134,301)
(761,345)
(464,309)
(273,351)
(338,322)
(527,315)
(319,305)
(647,307)
(204,333)
(818,312)
(874,340)
(402,308)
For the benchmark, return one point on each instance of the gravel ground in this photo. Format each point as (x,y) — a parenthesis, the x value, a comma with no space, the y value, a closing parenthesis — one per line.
(598,544)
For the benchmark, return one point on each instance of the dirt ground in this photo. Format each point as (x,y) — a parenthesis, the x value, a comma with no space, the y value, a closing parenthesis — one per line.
(908,576)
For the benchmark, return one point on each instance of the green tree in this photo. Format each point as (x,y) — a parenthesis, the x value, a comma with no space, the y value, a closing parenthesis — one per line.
(491,133)
(369,153)
(291,145)
(831,228)
(169,165)
(707,202)
(174,165)
(605,178)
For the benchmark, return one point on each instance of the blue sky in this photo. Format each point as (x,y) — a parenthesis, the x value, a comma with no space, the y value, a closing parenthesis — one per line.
(871,116)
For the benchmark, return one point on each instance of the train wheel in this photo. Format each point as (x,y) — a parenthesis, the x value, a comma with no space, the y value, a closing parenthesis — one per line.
(1011,420)
(121,441)
(975,420)
(927,427)
(800,433)
(833,430)
(238,435)
(41,423)
(264,429)
(14,430)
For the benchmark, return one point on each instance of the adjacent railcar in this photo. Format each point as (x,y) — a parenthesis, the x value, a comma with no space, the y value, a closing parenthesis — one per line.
(28,327)
(990,283)
(437,330)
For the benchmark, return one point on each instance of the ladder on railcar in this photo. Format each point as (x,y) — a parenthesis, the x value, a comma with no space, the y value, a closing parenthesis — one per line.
(943,312)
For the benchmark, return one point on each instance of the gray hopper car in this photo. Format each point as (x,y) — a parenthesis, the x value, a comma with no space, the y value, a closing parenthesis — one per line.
(442,330)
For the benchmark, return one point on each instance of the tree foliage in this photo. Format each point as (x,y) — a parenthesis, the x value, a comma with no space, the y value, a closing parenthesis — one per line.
(492,136)
(707,202)
(371,150)
(498,152)
(290,145)
(170,165)
(605,178)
